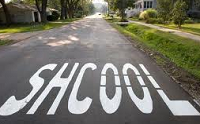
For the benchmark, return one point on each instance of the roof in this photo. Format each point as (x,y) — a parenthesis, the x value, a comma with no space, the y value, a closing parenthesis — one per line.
(22,6)
(51,9)
(138,1)
(27,7)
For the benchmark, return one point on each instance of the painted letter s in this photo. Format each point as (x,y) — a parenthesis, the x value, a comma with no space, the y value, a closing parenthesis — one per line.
(12,105)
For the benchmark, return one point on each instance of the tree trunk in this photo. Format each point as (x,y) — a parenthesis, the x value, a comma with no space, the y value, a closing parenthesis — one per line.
(65,12)
(6,12)
(70,13)
(43,12)
(62,11)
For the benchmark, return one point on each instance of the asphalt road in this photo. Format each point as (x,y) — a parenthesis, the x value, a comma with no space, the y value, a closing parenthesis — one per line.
(87,73)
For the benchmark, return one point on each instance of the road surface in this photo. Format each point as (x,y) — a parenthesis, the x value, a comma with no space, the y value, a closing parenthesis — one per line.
(87,73)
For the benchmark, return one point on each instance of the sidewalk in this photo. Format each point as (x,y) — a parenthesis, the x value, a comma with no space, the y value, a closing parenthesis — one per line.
(176,32)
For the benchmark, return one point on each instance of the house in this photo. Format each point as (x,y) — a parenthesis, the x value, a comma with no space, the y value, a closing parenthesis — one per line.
(142,5)
(21,13)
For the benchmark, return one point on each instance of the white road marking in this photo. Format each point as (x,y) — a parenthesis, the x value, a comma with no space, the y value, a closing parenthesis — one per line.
(144,69)
(130,66)
(140,80)
(57,81)
(179,107)
(75,106)
(107,66)
(12,105)
(110,105)
(154,83)
(127,81)
(145,105)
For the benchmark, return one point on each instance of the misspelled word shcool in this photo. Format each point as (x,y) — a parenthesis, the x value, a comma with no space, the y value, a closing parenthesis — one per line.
(110,106)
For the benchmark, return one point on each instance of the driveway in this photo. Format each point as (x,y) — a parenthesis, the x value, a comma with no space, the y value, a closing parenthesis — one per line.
(87,73)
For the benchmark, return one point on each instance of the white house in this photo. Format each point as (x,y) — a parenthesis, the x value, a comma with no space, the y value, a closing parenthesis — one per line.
(21,13)
(140,6)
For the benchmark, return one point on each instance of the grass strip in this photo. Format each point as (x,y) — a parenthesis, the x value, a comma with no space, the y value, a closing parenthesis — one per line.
(20,28)
(185,53)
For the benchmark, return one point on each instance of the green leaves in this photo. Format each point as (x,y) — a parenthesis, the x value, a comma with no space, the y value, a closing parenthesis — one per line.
(179,13)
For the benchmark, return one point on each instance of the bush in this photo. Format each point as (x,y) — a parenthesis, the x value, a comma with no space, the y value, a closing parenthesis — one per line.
(155,20)
(78,14)
(179,13)
(55,15)
(151,21)
(144,15)
(152,13)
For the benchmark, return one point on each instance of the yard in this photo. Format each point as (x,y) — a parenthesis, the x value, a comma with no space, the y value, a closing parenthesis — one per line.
(185,53)
(193,28)
(19,28)
(190,28)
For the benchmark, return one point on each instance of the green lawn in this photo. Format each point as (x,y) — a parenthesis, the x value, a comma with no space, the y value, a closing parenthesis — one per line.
(190,28)
(18,28)
(185,53)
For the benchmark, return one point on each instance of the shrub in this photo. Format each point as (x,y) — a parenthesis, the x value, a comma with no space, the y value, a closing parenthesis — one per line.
(151,20)
(155,20)
(55,15)
(152,13)
(144,15)
(179,13)
(164,8)
(78,14)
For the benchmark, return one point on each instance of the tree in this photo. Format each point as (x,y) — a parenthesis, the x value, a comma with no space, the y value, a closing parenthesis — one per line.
(121,5)
(164,9)
(72,6)
(179,13)
(110,4)
(55,4)
(63,9)
(42,6)
(6,12)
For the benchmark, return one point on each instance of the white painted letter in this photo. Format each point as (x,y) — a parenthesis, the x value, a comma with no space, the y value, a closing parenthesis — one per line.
(110,105)
(75,106)
(145,105)
(179,107)
(57,81)
(12,105)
